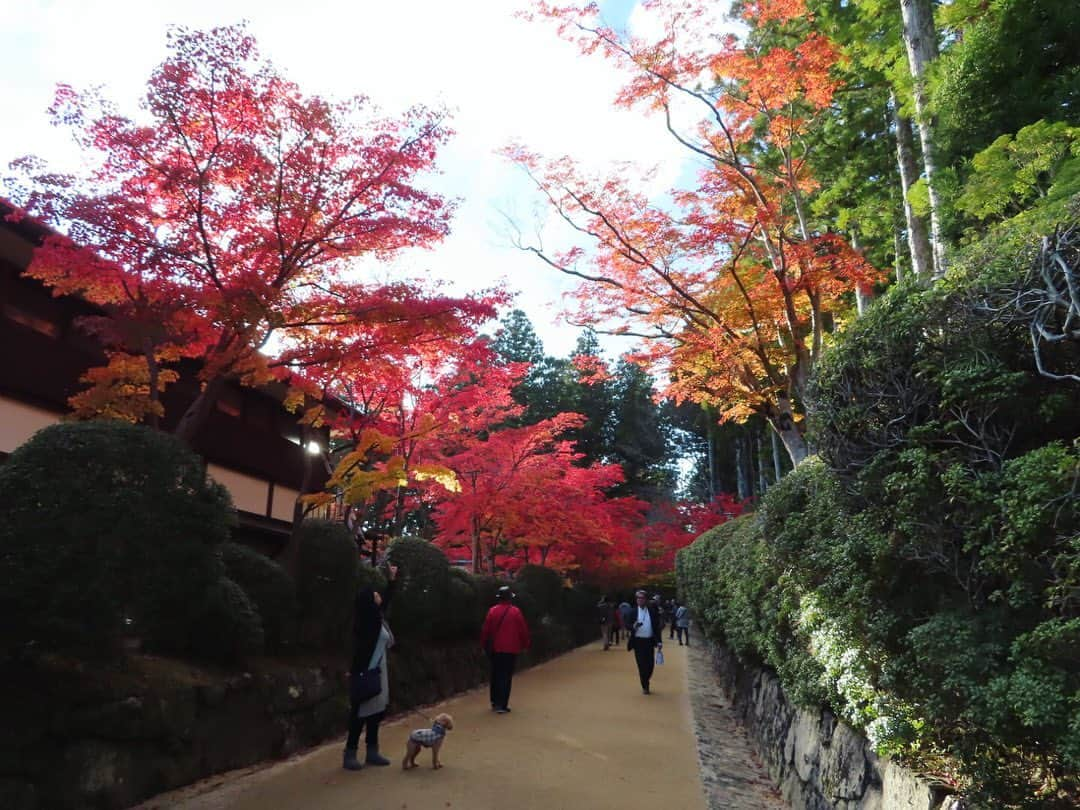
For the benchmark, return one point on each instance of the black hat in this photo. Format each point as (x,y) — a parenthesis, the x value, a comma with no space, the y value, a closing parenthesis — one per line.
(504,593)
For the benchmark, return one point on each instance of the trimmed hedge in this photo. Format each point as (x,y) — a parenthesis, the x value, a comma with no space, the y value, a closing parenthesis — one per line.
(270,589)
(106,528)
(228,629)
(327,579)
(422,609)
(920,576)
(545,587)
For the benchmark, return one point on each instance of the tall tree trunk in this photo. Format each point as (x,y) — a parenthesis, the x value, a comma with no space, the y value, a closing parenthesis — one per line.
(795,444)
(199,410)
(778,464)
(152,369)
(898,263)
(920,41)
(763,482)
(922,256)
(476,559)
(782,419)
(863,295)
(710,428)
(742,486)
(398,523)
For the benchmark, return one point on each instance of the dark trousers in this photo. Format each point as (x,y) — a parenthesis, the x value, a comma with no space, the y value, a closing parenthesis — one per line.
(645,655)
(369,724)
(684,631)
(502,673)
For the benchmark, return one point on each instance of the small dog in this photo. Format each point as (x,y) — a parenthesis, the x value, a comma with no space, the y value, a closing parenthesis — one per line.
(427,738)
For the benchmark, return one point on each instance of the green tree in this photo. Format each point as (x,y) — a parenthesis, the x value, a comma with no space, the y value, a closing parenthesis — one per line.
(1012,62)
(517,341)
(641,434)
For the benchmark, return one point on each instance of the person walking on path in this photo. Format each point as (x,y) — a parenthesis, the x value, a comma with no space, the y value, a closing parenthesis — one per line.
(626,617)
(605,612)
(682,623)
(504,636)
(371,639)
(645,638)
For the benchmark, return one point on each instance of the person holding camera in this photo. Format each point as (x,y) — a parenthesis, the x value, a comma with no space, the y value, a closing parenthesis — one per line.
(645,638)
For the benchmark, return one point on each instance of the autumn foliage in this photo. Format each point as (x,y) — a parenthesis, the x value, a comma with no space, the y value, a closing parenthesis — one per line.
(227,219)
(730,283)
(232,228)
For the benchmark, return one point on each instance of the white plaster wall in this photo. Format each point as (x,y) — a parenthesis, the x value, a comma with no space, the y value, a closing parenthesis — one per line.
(284,500)
(248,493)
(18,422)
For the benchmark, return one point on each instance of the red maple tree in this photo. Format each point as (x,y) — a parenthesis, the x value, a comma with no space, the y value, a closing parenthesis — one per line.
(225,222)
(673,525)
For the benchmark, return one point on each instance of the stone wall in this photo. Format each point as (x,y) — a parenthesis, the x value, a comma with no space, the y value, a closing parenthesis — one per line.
(110,734)
(818,762)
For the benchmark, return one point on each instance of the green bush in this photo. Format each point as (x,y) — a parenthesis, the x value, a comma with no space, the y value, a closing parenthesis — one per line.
(371,577)
(270,589)
(545,586)
(227,628)
(421,609)
(106,526)
(580,602)
(464,614)
(486,588)
(530,609)
(327,579)
(920,576)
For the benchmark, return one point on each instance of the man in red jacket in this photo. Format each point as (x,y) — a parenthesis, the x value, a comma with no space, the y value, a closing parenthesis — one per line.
(504,636)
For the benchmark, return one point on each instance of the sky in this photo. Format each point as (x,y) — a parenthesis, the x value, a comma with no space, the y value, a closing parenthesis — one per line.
(502,78)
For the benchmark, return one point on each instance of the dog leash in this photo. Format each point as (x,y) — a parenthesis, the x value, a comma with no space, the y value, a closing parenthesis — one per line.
(426,716)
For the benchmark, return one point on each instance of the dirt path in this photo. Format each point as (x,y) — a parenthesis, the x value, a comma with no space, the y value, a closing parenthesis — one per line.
(581,737)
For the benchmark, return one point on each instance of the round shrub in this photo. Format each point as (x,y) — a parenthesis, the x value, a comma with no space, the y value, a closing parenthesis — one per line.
(270,589)
(327,578)
(106,525)
(486,588)
(581,612)
(463,606)
(421,603)
(530,609)
(227,628)
(545,586)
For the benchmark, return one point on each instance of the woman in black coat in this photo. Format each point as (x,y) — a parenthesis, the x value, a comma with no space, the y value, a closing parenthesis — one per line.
(371,640)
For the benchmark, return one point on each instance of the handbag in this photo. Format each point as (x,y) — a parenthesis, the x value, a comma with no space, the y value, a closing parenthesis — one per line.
(365,685)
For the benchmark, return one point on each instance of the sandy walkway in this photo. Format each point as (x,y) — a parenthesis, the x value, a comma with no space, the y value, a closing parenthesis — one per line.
(581,737)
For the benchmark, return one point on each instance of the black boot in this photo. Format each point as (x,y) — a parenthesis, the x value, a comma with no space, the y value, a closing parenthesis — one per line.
(350,762)
(374,757)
